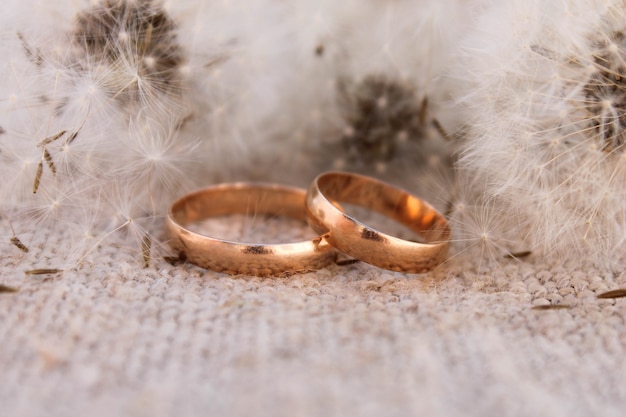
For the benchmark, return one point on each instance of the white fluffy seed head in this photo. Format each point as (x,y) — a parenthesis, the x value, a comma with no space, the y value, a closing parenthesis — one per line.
(543,91)
(115,115)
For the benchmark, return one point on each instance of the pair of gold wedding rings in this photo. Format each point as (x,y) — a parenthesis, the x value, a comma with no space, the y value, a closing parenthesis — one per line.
(321,207)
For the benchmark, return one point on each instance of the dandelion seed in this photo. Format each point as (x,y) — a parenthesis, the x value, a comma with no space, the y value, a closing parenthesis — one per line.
(43,271)
(552,307)
(288,274)
(18,244)
(619,293)
(33,54)
(173,260)
(71,138)
(7,289)
(147,39)
(16,241)
(38,177)
(73,135)
(216,61)
(49,161)
(441,130)
(146,243)
(51,139)
(449,209)
(518,255)
(345,262)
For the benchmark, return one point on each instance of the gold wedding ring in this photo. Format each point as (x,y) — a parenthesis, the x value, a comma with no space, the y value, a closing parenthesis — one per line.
(239,257)
(362,242)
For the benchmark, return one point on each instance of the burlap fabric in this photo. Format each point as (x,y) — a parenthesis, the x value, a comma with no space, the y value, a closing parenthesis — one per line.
(117,339)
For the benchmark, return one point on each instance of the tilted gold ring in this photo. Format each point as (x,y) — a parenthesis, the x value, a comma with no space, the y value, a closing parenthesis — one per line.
(349,235)
(238,257)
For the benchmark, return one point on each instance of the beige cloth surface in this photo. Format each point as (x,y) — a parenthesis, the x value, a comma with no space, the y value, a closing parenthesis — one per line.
(115,339)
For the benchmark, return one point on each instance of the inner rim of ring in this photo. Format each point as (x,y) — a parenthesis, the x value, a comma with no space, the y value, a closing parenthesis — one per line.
(249,199)
(386,200)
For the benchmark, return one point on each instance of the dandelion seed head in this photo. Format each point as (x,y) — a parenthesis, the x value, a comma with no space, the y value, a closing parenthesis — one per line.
(378,111)
(549,144)
(606,91)
(102,75)
(136,38)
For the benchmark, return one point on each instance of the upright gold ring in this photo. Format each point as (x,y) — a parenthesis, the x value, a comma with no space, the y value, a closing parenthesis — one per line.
(365,243)
(234,258)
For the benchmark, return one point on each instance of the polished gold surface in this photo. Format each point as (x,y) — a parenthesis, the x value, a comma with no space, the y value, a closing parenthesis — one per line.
(365,243)
(238,257)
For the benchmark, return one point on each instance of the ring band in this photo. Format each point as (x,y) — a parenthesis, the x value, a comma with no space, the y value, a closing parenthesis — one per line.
(365,243)
(237,257)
